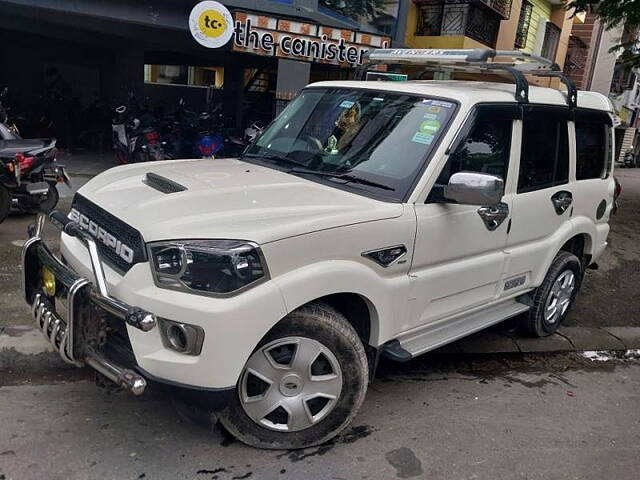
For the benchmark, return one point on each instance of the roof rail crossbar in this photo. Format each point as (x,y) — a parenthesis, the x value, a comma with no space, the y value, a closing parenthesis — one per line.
(522,86)
(572,90)
(481,60)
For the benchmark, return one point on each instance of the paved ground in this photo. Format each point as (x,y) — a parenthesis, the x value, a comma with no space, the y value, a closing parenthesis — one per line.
(609,296)
(509,417)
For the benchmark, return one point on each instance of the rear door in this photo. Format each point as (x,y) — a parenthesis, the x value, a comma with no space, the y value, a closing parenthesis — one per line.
(542,203)
(594,185)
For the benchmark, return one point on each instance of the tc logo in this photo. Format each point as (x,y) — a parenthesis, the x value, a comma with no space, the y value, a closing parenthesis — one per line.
(209,23)
(212,23)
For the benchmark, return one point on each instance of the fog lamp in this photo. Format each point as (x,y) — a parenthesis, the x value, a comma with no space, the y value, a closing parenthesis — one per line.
(48,282)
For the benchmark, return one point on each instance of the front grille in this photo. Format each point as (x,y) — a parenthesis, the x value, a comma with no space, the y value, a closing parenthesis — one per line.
(112,225)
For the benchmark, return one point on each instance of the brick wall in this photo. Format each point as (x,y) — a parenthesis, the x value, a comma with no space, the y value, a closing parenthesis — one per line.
(586,32)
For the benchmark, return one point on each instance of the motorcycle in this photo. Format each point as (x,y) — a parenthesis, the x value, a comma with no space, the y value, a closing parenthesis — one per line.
(136,138)
(29,174)
(8,131)
(629,160)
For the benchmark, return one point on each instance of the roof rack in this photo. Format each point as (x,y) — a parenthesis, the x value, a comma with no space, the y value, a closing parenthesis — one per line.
(480,60)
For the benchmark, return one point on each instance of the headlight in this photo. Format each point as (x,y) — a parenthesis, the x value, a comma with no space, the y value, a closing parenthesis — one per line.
(215,267)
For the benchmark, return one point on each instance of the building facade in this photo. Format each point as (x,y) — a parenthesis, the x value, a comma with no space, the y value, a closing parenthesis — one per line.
(104,52)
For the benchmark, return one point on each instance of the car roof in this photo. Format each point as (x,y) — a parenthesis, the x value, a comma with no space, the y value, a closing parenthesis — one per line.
(471,92)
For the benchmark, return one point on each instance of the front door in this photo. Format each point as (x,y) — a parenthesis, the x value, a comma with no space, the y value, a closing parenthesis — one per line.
(458,258)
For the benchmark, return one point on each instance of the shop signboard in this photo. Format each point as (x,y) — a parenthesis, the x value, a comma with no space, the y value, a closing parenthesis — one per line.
(310,42)
(213,26)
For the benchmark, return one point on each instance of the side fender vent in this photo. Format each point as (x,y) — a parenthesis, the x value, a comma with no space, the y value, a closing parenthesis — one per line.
(162,184)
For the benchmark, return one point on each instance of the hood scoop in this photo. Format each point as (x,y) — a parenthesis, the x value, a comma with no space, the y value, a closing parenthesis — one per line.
(162,184)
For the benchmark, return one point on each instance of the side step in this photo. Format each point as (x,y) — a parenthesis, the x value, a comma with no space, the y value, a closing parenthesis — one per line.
(450,329)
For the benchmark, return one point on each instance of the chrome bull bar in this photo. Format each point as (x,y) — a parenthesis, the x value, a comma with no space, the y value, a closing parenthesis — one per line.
(58,330)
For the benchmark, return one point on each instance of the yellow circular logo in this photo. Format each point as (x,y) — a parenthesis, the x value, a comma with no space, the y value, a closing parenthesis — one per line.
(212,23)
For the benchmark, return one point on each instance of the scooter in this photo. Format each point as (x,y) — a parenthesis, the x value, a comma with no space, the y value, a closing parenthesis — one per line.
(29,174)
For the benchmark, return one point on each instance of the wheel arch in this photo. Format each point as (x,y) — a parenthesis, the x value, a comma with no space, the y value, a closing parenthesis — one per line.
(359,292)
(581,245)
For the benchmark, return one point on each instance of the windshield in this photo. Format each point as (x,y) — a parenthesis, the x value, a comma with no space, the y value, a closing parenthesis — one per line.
(371,140)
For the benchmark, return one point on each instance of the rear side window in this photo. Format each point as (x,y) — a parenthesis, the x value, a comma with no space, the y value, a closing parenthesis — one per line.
(593,145)
(591,150)
(485,149)
(544,158)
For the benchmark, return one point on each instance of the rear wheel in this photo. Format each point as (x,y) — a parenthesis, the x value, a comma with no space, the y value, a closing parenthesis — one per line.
(52,199)
(5,203)
(303,384)
(553,299)
(48,203)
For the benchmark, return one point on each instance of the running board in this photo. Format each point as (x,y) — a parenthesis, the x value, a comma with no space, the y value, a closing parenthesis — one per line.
(451,329)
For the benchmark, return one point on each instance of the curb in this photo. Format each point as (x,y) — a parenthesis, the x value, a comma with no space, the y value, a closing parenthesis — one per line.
(26,349)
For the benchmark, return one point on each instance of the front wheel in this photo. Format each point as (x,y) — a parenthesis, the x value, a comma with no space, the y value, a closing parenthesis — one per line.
(303,384)
(552,299)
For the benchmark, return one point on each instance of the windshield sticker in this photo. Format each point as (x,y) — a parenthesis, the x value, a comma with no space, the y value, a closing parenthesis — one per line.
(434,109)
(346,104)
(437,103)
(424,138)
(430,116)
(430,126)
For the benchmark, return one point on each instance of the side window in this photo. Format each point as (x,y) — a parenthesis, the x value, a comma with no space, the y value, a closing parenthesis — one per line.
(485,149)
(593,145)
(544,158)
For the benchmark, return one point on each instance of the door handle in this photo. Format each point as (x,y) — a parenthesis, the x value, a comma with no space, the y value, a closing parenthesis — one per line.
(561,201)
(494,215)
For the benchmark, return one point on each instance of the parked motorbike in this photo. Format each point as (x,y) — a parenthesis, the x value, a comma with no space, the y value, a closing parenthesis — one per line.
(136,136)
(8,130)
(29,174)
(629,160)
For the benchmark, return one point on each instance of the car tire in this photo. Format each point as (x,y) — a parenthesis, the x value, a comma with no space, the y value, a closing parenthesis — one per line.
(553,299)
(300,419)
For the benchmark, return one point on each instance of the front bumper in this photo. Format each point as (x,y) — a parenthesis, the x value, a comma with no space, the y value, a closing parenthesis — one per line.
(86,325)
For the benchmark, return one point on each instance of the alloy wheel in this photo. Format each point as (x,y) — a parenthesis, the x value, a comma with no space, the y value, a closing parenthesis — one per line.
(559,297)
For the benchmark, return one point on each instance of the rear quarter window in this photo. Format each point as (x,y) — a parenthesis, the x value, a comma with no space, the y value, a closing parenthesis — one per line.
(593,145)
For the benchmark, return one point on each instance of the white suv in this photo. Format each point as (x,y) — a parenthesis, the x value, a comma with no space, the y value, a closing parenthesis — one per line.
(370,218)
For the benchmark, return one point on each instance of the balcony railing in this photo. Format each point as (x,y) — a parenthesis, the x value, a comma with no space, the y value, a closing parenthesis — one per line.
(501,7)
(465,18)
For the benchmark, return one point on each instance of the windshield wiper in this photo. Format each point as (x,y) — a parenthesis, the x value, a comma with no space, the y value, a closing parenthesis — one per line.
(350,178)
(274,157)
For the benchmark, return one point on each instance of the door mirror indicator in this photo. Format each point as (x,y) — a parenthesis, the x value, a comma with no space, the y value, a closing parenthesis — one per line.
(472,188)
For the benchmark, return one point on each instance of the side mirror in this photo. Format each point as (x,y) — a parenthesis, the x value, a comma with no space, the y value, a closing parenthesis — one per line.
(471,188)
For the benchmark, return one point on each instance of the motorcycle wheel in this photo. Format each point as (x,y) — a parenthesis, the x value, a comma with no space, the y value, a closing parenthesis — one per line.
(5,203)
(48,203)
(122,158)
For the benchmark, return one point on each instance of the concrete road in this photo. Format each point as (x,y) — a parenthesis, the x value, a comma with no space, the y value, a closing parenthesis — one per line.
(609,295)
(547,417)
